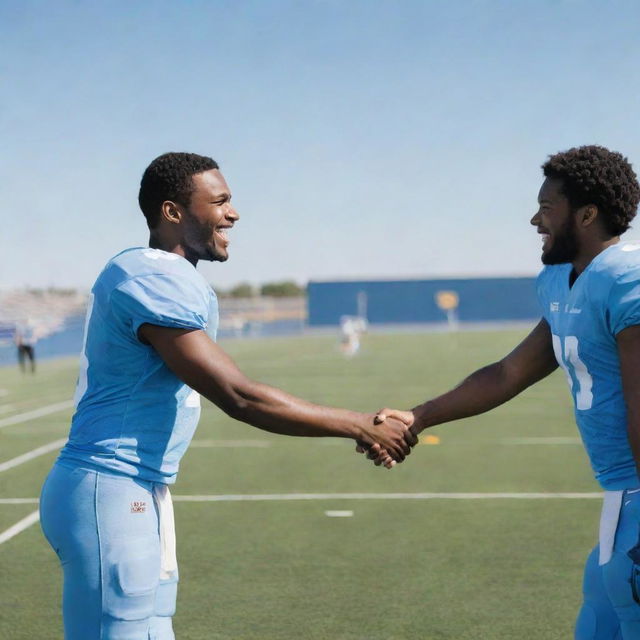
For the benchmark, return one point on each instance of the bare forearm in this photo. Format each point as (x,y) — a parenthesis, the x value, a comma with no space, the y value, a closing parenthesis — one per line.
(274,410)
(263,406)
(482,391)
(491,386)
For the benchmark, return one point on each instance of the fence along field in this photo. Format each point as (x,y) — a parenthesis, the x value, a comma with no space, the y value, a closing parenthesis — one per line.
(501,558)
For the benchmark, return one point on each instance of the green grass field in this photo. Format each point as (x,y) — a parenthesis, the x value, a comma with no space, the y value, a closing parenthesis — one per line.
(441,568)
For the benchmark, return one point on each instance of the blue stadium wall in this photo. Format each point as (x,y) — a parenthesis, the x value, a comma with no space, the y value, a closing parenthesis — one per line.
(414,301)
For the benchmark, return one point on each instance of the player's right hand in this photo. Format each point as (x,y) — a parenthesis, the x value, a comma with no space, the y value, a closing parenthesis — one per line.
(392,440)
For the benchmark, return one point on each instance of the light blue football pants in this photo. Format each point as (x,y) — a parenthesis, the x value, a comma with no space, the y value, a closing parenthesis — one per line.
(611,592)
(104,528)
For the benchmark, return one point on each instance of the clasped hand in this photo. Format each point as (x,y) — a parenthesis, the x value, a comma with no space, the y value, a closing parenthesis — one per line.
(399,422)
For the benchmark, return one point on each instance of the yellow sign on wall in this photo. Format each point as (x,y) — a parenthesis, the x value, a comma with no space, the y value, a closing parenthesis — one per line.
(447,300)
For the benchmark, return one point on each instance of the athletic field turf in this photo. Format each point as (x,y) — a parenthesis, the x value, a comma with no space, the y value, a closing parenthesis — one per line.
(466,567)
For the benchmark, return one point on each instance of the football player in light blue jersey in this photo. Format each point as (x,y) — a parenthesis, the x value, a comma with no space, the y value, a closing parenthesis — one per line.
(149,353)
(589,292)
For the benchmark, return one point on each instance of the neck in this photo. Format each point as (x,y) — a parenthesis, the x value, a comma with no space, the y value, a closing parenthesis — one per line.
(590,252)
(172,246)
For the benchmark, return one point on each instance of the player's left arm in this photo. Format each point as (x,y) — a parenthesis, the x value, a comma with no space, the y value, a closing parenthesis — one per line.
(485,389)
(629,353)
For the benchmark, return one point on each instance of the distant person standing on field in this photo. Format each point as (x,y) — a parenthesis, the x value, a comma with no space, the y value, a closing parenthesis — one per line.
(25,339)
(351,328)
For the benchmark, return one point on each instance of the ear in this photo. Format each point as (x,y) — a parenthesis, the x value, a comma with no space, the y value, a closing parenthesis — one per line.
(171,212)
(587,215)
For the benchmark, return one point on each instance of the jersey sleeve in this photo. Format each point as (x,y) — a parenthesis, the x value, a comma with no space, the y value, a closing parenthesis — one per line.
(167,300)
(623,305)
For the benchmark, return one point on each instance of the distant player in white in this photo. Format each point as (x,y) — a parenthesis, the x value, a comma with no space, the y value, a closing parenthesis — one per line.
(590,298)
(149,353)
(351,328)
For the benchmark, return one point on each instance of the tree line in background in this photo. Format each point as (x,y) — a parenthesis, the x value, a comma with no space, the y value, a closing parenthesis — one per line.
(53,291)
(284,289)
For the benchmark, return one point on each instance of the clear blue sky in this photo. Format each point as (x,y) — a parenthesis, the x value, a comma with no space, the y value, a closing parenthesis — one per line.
(361,138)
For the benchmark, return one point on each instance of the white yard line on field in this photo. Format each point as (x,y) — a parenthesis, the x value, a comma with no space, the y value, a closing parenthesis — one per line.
(19,526)
(259,497)
(279,497)
(36,413)
(543,440)
(285,497)
(534,440)
(30,455)
(231,444)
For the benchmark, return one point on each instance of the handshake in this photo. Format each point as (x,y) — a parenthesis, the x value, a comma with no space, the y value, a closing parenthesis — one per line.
(388,437)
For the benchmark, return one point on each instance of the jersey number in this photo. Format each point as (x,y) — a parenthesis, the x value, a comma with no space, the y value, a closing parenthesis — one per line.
(574,368)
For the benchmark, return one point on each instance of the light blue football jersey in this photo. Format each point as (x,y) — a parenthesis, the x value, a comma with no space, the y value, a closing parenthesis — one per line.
(133,415)
(584,321)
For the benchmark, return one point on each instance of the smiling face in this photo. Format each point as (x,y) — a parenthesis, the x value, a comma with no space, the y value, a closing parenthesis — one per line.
(556,223)
(207,219)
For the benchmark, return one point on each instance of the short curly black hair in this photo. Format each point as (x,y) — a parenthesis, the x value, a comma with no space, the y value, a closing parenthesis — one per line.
(594,175)
(168,177)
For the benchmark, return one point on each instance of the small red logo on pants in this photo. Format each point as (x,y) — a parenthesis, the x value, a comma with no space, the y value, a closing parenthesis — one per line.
(138,507)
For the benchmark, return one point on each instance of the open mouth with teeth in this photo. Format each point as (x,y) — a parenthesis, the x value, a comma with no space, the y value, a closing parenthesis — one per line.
(546,238)
(223,234)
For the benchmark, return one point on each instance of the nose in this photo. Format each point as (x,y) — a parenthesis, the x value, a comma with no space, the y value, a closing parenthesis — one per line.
(231,213)
(535,221)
